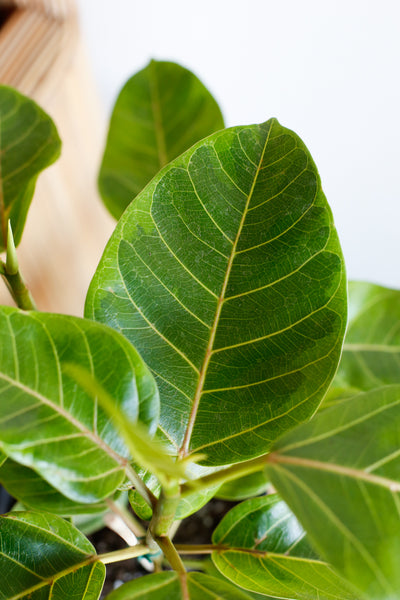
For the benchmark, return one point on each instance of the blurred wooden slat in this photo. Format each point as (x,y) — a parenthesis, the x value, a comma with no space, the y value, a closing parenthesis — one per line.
(58,9)
(42,56)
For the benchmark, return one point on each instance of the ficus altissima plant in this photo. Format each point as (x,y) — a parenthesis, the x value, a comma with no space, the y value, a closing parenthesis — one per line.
(208,364)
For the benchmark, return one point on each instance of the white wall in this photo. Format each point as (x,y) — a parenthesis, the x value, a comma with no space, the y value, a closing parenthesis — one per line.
(329,69)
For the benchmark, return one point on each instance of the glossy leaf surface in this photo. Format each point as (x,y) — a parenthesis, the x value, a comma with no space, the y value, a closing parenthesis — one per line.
(161,111)
(194,502)
(340,474)
(36,493)
(29,143)
(227,276)
(244,487)
(168,586)
(49,423)
(45,558)
(263,548)
(371,352)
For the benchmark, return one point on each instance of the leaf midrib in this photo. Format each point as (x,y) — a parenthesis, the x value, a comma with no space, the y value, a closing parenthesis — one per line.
(357,474)
(184,450)
(374,347)
(282,560)
(224,549)
(52,534)
(250,511)
(341,526)
(92,559)
(67,415)
(156,108)
(344,426)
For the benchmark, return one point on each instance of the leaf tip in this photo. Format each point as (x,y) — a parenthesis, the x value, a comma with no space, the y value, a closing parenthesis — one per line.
(11,255)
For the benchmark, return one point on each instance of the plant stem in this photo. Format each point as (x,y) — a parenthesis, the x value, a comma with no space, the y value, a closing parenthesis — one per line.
(210,548)
(174,528)
(13,278)
(129,529)
(164,511)
(228,474)
(158,563)
(19,291)
(124,554)
(197,548)
(171,554)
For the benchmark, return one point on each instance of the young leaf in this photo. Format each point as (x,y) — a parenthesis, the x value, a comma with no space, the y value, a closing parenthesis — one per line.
(49,423)
(227,275)
(35,493)
(371,353)
(194,502)
(43,556)
(168,586)
(29,143)
(149,453)
(340,474)
(187,506)
(263,549)
(161,111)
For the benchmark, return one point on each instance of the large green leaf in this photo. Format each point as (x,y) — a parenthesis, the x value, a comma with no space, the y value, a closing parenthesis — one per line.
(27,486)
(49,423)
(371,352)
(29,143)
(227,275)
(171,586)
(263,548)
(340,474)
(161,111)
(45,558)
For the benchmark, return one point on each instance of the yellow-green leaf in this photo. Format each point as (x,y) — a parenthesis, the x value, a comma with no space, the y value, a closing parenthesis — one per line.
(371,352)
(340,474)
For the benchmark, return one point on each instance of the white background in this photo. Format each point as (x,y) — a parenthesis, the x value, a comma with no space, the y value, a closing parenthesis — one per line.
(328,69)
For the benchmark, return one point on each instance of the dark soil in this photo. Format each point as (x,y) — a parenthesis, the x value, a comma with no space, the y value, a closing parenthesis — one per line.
(196,529)
(6,501)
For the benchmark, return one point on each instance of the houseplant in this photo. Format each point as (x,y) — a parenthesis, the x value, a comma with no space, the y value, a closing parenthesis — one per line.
(226,275)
